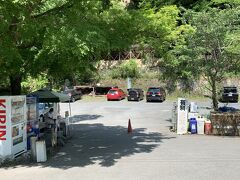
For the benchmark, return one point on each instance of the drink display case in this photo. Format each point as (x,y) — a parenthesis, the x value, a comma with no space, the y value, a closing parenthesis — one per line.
(32,119)
(13,126)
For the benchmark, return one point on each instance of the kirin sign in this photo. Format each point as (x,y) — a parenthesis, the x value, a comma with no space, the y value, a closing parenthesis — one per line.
(3,119)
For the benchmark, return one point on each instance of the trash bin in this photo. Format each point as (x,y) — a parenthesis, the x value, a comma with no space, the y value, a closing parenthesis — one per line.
(208,127)
(41,151)
(200,125)
(193,125)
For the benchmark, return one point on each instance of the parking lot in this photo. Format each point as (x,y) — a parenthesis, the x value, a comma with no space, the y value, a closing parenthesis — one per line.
(101,148)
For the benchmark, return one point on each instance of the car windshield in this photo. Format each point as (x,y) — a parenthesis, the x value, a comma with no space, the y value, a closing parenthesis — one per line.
(67,91)
(132,92)
(153,90)
(112,91)
(230,90)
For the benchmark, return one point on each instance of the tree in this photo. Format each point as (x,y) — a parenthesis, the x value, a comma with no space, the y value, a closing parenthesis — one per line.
(60,38)
(161,32)
(158,28)
(198,43)
(211,50)
(217,33)
(22,30)
(15,38)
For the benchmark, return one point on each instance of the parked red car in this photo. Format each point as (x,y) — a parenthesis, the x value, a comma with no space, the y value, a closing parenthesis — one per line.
(115,94)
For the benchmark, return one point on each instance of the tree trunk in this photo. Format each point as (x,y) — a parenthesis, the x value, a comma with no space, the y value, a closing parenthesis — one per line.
(15,83)
(214,94)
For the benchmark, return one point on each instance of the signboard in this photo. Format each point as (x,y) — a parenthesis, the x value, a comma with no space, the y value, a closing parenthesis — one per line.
(13,122)
(182,118)
(3,119)
(5,129)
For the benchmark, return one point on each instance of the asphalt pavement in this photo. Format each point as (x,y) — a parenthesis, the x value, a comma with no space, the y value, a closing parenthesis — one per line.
(102,149)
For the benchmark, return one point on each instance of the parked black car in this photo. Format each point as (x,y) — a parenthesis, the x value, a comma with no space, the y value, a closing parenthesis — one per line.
(73,94)
(229,94)
(156,94)
(135,94)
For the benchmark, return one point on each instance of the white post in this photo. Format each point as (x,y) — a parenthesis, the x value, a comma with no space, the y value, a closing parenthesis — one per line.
(129,83)
(70,110)
(182,118)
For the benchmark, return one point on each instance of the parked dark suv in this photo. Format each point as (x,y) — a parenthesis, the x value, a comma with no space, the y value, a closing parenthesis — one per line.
(229,94)
(156,94)
(74,94)
(135,94)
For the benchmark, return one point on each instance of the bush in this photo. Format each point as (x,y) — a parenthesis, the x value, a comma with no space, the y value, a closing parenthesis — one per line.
(127,69)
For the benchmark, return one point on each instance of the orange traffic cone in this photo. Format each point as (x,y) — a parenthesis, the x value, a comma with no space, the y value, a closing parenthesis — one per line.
(129,127)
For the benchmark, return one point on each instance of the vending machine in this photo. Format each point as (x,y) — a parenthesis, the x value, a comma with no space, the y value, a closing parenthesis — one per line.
(182,117)
(32,119)
(13,123)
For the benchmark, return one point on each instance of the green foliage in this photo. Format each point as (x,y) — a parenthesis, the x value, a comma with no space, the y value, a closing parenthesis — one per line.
(60,37)
(213,34)
(167,39)
(189,4)
(215,41)
(66,38)
(90,76)
(226,1)
(161,31)
(120,28)
(127,69)
(31,84)
(198,43)
(211,49)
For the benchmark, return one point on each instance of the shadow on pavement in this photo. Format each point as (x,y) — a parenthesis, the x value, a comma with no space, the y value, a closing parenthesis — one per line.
(103,145)
(84,117)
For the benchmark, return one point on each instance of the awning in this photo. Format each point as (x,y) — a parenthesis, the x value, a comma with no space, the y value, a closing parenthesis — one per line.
(62,97)
(45,96)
